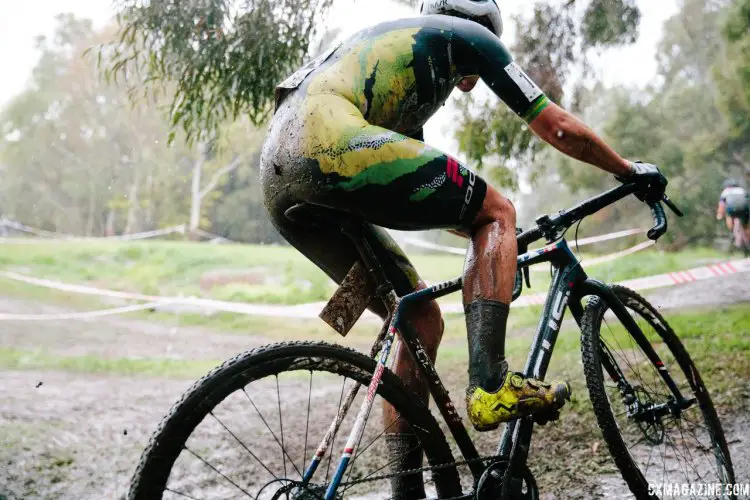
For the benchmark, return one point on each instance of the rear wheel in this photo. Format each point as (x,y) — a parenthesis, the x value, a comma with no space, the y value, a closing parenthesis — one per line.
(249,428)
(653,438)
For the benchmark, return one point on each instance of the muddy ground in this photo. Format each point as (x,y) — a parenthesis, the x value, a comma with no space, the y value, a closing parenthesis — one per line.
(78,436)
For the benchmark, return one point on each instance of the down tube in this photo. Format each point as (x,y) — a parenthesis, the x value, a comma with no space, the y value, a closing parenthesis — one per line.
(544,340)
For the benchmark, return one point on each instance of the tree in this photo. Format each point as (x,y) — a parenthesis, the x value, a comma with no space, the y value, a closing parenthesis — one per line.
(78,158)
(667,122)
(733,77)
(216,58)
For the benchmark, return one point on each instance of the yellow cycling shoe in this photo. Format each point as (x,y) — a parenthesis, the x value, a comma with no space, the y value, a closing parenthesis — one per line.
(517,397)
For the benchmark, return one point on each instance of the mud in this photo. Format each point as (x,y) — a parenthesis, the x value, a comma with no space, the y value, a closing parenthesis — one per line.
(79,436)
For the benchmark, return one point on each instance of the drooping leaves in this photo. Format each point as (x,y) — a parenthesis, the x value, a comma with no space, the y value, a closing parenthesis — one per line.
(216,58)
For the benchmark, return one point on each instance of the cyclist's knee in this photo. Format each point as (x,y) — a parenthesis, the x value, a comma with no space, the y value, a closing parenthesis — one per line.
(496,208)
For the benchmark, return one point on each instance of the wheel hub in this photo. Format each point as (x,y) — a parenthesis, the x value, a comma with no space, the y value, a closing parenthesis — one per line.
(648,421)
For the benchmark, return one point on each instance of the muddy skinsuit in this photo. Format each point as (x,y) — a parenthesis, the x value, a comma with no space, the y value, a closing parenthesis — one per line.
(347,129)
(347,134)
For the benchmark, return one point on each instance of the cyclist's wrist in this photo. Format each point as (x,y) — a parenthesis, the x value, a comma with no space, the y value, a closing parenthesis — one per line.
(628,168)
(626,171)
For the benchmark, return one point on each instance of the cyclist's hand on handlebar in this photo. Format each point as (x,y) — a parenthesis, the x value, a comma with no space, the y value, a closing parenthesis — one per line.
(650,179)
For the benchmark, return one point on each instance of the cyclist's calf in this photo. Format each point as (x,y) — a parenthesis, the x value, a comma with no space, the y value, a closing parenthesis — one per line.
(427,320)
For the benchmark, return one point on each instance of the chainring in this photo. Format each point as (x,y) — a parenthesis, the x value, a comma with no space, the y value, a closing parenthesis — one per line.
(490,483)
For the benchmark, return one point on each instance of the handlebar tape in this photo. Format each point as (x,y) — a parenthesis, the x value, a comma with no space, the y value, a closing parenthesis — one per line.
(660,221)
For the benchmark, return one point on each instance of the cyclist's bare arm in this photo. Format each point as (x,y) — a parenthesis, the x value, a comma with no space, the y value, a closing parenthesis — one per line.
(720,210)
(486,55)
(568,134)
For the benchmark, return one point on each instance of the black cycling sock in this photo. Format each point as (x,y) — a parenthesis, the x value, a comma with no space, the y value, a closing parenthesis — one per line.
(405,453)
(485,326)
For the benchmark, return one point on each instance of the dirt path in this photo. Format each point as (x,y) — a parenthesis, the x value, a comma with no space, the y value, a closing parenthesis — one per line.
(76,436)
(715,292)
(79,436)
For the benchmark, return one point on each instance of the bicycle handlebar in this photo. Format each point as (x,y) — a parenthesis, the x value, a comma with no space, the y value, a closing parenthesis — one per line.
(550,226)
(660,221)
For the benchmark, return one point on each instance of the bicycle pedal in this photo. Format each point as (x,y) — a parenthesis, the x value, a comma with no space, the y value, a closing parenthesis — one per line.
(544,418)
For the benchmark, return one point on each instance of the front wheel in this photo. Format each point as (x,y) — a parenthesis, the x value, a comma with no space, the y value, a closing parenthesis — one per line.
(654,437)
(249,428)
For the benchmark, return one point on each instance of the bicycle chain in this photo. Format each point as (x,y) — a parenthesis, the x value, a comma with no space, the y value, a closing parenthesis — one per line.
(421,470)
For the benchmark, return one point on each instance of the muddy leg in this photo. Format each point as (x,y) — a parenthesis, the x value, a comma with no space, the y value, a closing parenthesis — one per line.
(489,274)
(404,449)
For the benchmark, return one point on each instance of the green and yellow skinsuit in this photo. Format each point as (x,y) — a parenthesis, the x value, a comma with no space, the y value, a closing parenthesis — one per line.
(347,134)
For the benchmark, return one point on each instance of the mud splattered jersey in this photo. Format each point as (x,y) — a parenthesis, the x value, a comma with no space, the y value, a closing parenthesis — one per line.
(398,74)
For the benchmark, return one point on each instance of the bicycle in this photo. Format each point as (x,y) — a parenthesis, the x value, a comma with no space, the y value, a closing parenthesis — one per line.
(738,239)
(647,395)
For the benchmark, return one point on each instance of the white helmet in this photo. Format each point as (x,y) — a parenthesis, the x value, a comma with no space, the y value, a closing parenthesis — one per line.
(485,12)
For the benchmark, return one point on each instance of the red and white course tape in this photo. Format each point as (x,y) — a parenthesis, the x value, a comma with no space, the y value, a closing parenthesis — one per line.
(311,310)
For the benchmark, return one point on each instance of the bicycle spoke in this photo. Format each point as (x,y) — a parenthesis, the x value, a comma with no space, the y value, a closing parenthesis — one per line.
(218,472)
(687,450)
(712,448)
(242,444)
(389,463)
(648,460)
(359,441)
(283,451)
(281,427)
(307,423)
(180,493)
(635,370)
(636,349)
(377,437)
(333,441)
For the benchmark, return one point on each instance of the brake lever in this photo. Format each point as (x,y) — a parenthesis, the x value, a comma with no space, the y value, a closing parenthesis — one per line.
(672,206)
(527,276)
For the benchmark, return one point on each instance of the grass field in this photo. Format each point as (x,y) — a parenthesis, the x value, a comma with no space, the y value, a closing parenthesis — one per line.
(255,273)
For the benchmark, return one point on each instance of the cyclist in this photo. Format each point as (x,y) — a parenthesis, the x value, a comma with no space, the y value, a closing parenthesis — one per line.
(734,204)
(347,134)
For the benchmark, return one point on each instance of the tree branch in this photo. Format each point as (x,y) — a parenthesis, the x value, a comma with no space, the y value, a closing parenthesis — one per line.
(217,175)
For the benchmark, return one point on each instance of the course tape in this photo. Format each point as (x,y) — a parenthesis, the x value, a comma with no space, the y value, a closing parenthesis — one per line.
(83,314)
(710,271)
(581,242)
(311,310)
(296,311)
(122,237)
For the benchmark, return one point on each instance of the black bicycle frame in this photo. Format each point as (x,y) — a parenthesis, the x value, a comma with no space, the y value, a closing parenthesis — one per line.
(568,287)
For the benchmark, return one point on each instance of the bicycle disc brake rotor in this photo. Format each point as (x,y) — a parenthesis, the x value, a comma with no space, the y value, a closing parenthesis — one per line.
(490,484)
(653,430)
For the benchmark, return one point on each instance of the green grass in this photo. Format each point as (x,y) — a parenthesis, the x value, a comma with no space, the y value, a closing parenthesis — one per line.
(718,341)
(279,274)
(12,359)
